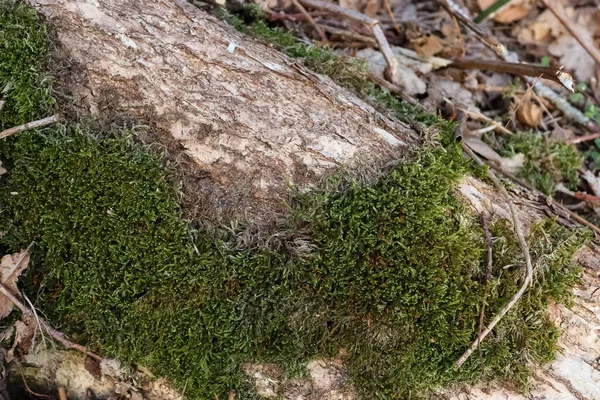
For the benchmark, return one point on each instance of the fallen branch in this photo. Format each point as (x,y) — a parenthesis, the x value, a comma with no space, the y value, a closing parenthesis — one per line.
(584,138)
(58,336)
(371,23)
(524,248)
(585,42)
(30,125)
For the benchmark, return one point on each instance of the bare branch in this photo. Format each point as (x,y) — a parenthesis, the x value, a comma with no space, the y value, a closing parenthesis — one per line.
(310,19)
(30,125)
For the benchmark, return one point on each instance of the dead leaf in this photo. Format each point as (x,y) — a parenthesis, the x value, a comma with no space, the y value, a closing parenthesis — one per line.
(11,267)
(24,330)
(2,170)
(515,11)
(528,112)
(483,149)
(428,46)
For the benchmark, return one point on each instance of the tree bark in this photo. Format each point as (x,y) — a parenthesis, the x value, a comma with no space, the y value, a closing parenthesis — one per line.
(249,119)
(245,119)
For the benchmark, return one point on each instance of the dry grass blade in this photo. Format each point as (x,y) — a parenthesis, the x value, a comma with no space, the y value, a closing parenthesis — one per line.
(524,248)
(388,8)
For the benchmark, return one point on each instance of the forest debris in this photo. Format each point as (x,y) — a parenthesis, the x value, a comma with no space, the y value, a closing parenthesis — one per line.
(11,266)
(483,149)
(405,75)
(528,112)
(592,180)
(30,125)
(2,170)
(524,248)
(582,37)
(511,12)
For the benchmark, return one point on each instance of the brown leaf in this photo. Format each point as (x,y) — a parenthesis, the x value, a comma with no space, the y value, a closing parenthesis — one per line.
(2,170)
(23,331)
(515,11)
(428,46)
(528,112)
(11,267)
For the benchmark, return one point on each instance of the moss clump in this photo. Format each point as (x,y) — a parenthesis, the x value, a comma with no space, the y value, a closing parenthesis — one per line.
(547,162)
(390,272)
(23,48)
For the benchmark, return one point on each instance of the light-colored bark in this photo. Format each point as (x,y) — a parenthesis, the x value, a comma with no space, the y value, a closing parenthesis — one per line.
(250,118)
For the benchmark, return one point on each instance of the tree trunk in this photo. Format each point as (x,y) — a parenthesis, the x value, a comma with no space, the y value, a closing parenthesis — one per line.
(245,119)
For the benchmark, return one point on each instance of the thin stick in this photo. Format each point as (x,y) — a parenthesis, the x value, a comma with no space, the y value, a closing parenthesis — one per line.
(548,199)
(30,125)
(583,39)
(391,14)
(396,90)
(563,105)
(31,392)
(488,278)
(62,395)
(58,336)
(310,19)
(503,67)
(371,23)
(349,34)
(480,116)
(524,248)
(585,138)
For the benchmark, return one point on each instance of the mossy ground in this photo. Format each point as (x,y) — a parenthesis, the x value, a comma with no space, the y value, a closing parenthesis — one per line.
(390,272)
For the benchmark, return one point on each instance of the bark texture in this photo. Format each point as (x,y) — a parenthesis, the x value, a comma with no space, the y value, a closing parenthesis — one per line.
(249,118)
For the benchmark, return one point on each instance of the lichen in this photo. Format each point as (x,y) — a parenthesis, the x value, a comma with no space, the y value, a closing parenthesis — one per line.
(390,272)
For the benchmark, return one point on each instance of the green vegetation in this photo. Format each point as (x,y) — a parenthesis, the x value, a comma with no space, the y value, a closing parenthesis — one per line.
(392,272)
(546,161)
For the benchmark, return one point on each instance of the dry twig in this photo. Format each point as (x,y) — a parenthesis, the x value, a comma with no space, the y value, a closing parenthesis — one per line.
(371,23)
(30,125)
(503,67)
(524,248)
(585,138)
(31,392)
(310,19)
(488,278)
(391,13)
(582,37)
(62,395)
(58,336)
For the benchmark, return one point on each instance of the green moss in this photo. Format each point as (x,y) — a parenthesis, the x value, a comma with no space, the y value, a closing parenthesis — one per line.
(547,162)
(23,50)
(391,272)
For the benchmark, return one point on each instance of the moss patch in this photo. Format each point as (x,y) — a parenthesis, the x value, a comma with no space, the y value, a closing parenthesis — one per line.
(546,161)
(392,272)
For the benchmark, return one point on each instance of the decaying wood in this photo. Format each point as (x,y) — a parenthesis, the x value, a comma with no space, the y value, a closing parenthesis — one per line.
(248,120)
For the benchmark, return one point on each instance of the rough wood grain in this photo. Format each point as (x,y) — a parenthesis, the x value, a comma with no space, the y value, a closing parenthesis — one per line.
(249,117)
